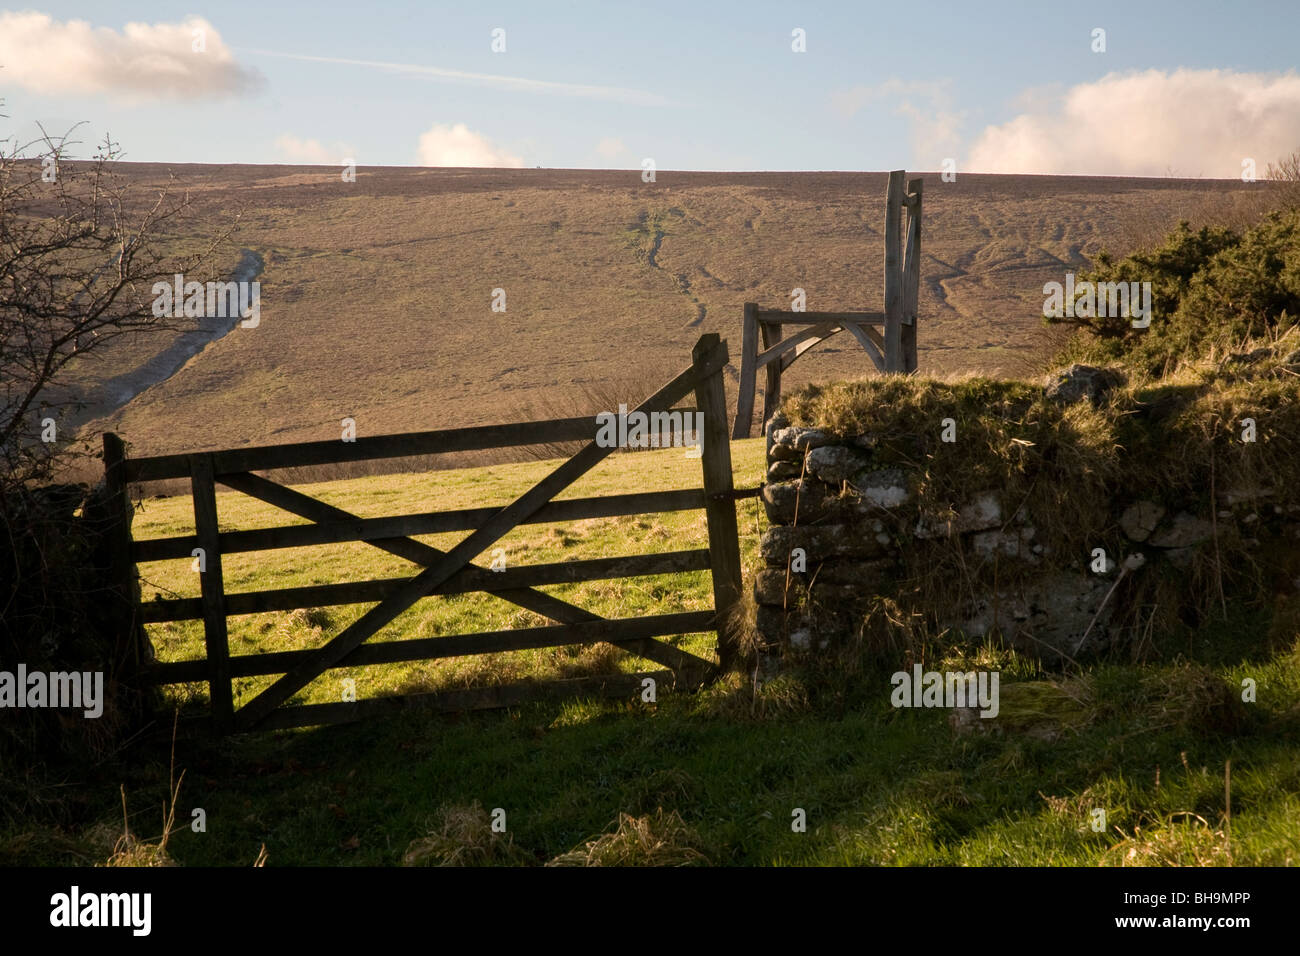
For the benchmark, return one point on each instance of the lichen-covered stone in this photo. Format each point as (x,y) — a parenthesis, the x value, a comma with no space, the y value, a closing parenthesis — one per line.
(809,499)
(981,513)
(835,463)
(784,453)
(1140,519)
(1049,616)
(784,470)
(883,488)
(820,543)
(792,442)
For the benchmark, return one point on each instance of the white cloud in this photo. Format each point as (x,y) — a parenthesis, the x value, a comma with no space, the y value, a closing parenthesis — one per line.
(458,145)
(145,61)
(611,147)
(935,125)
(1152,123)
(311,152)
(935,132)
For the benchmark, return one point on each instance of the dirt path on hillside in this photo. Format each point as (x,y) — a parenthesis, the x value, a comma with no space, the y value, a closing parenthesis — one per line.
(119,390)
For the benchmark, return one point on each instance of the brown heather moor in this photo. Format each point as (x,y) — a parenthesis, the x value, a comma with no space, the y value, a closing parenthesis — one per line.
(376,295)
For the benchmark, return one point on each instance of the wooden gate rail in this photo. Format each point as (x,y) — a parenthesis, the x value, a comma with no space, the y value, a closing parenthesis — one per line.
(613,631)
(402,526)
(443,572)
(407,445)
(471,579)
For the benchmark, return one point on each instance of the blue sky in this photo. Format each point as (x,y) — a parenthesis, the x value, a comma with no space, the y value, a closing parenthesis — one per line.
(691,85)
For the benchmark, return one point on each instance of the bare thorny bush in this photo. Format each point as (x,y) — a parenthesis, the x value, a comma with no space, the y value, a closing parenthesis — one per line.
(78,260)
(1286,171)
(79,255)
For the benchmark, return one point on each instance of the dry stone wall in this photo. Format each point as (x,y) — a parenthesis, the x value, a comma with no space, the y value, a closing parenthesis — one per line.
(842,527)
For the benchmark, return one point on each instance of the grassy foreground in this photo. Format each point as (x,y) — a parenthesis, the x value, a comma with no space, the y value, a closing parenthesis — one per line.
(715,777)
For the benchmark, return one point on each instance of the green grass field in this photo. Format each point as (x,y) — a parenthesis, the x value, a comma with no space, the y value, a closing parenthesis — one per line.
(716,776)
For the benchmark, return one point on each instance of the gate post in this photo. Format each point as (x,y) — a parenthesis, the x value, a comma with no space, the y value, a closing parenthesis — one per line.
(121,569)
(771,333)
(894,360)
(911,273)
(720,502)
(212,588)
(748,368)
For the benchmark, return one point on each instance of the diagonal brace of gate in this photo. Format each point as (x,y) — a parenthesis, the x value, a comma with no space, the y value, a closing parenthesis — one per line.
(305,506)
(295,502)
(458,557)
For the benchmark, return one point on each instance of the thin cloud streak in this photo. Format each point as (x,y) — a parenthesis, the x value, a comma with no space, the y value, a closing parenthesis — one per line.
(614,93)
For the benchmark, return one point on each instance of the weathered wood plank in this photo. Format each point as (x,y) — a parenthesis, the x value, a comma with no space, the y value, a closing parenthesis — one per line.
(212,588)
(121,571)
(784,317)
(770,333)
(911,275)
(261,458)
(477,542)
(674,658)
(471,579)
(748,369)
(893,273)
(724,536)
(785,345)
(619,631)
(353,528)
(870,340)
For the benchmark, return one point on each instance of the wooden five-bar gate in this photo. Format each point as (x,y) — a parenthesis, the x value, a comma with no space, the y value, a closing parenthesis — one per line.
(448,572)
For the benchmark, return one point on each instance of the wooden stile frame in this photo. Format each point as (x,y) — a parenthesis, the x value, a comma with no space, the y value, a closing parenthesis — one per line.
(442,572)
(892,348)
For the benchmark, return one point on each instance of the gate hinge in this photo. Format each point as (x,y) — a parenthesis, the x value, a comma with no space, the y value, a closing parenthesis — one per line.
(737,494)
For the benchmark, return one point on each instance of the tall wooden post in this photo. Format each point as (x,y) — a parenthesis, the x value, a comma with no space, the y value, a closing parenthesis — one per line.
(771,333)
(748,361)
(720,502)
(203,485)
(894,274)
(911,274)
(121,570)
